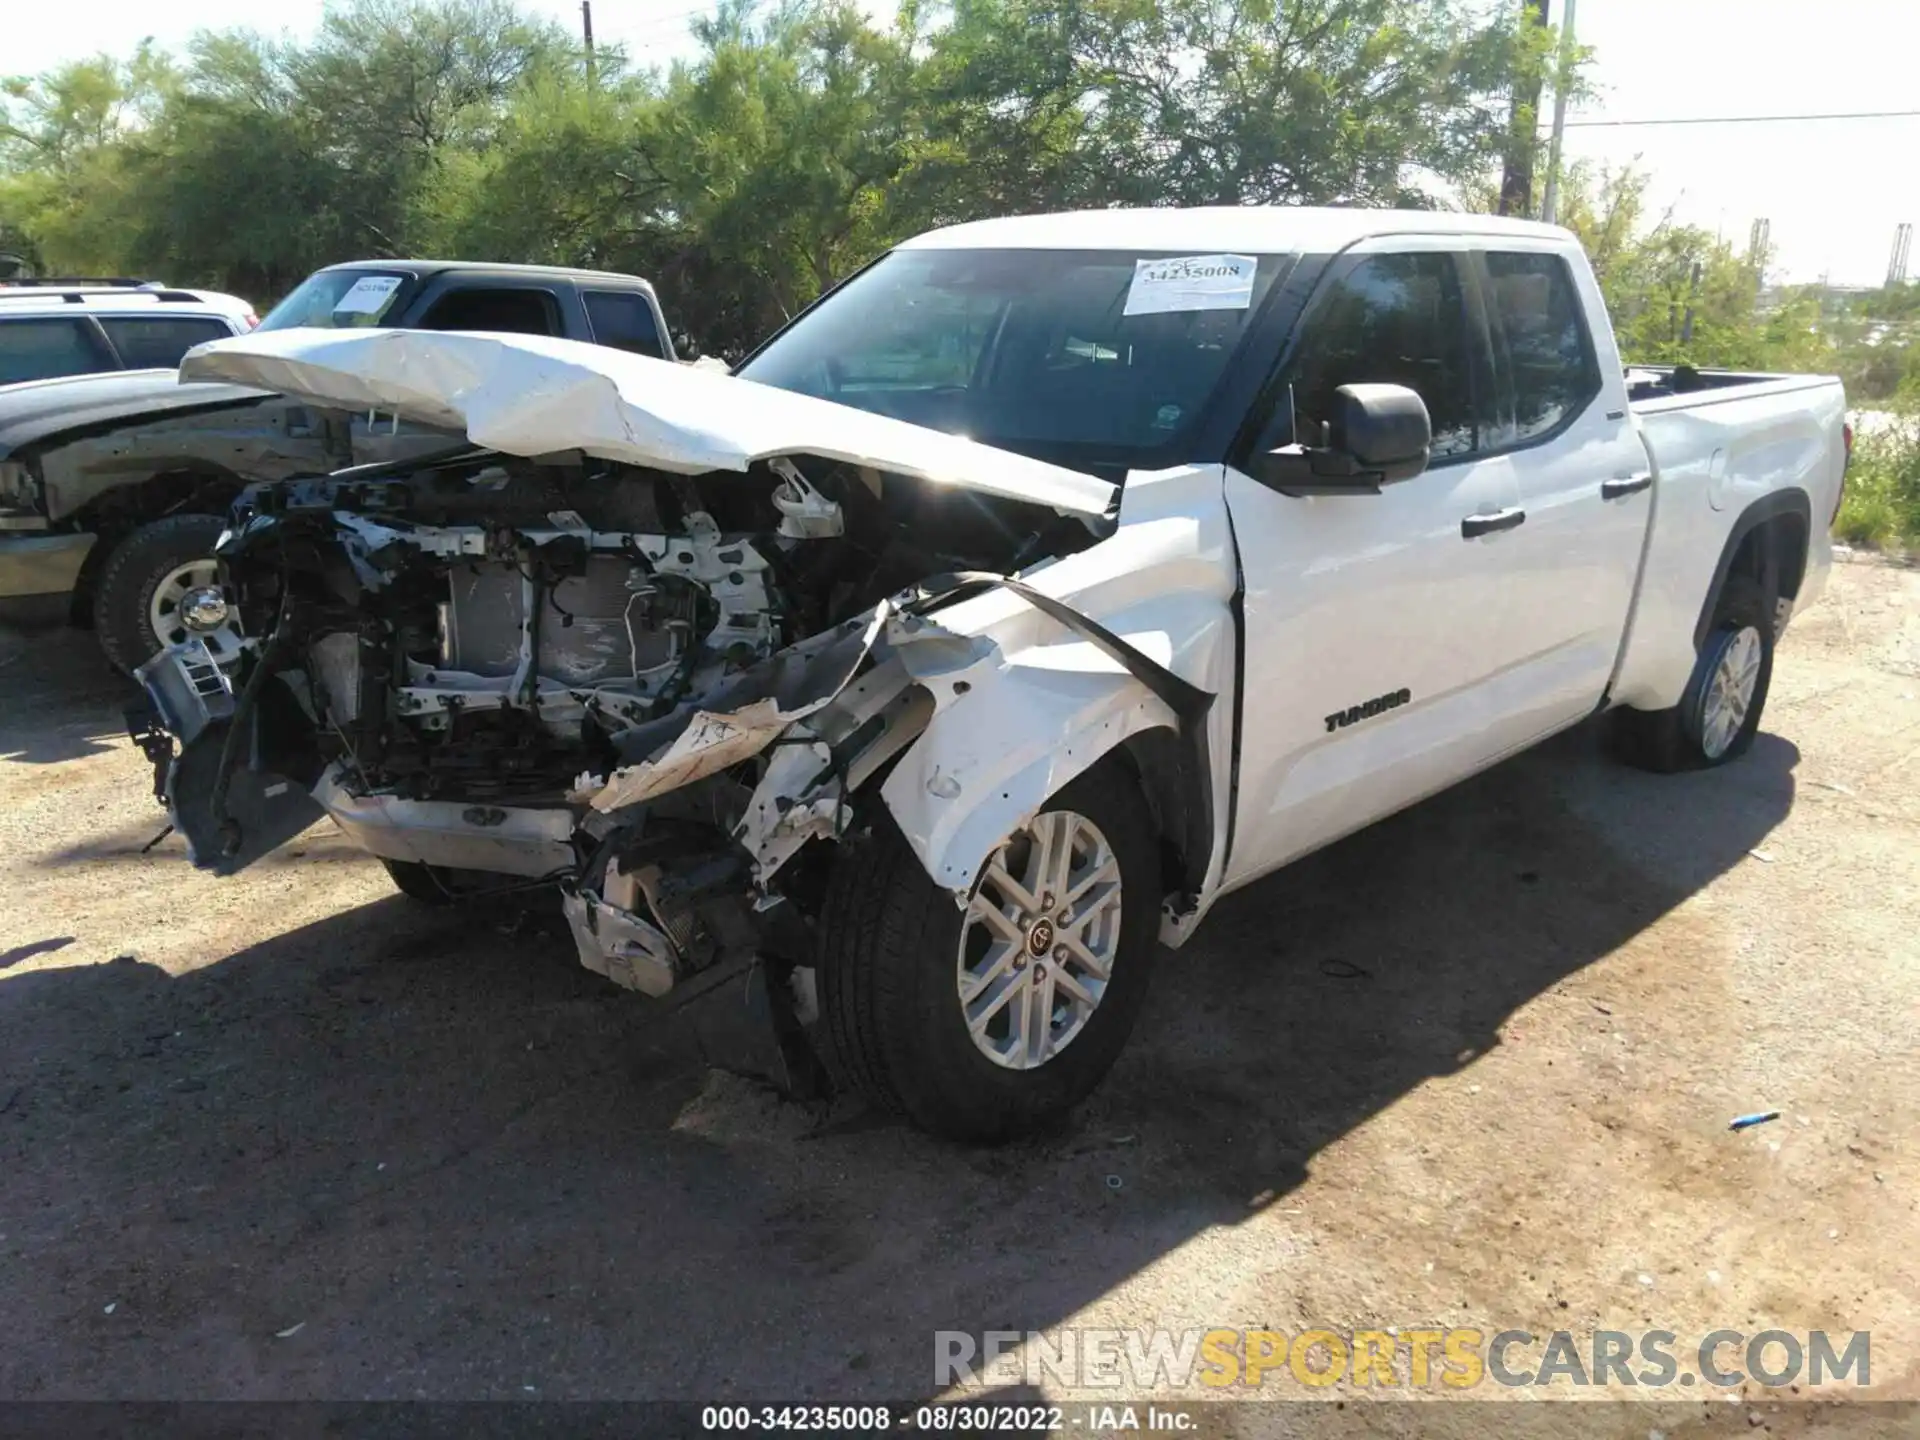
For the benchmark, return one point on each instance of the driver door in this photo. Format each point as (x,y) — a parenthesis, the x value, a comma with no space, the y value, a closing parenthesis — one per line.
(1375,646)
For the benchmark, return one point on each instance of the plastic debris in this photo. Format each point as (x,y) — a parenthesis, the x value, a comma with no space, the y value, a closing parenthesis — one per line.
(290,1331)
(109,1309)
(1762,856)
(1747,1122)
(1114,1182)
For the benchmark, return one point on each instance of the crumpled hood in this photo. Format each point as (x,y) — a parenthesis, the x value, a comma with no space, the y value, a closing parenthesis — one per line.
(529,395)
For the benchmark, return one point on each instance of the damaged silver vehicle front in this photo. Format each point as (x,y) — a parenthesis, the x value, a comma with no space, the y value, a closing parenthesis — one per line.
(749,713)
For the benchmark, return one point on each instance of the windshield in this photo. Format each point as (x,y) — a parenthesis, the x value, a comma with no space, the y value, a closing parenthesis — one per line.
(340,300)
(1088,357)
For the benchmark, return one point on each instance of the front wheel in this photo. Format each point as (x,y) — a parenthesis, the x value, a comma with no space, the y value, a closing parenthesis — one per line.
(992,1020)
(439,886)
(1719,714)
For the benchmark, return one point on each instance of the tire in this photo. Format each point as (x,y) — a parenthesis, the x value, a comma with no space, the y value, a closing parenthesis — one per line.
(438,886)
(133,574)
(892,1024)
(1684,737)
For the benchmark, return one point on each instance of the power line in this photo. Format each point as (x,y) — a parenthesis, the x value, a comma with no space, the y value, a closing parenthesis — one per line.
(1751,119)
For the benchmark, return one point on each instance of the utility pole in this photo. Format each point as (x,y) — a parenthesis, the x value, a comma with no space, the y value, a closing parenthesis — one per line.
(586,29)
(1550,204)
(1693,293)
(1897,262)
(1759,246)
(1523,129)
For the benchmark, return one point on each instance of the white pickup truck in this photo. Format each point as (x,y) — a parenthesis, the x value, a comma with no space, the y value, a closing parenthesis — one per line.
(1044,582)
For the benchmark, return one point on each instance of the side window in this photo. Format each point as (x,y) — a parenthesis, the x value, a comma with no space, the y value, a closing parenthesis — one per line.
(44,349)
(624,320)
(159,343)
(517,312)
(1393,320)
(1535,308)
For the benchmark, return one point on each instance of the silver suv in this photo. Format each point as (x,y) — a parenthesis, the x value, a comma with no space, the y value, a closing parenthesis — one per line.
(58,327)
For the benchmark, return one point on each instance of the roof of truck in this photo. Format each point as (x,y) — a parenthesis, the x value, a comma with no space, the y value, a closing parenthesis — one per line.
(421,269)
(1260,229)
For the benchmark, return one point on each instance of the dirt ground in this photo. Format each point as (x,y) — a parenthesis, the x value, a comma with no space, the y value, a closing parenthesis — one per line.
(288,1135)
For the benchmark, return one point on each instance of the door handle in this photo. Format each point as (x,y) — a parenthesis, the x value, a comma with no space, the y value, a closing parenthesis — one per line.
(1477,525)
(1624,485)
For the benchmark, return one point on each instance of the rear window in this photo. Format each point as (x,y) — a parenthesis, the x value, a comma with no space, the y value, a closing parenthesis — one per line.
(1549,356)
(341,300)
(46,349)
(624,320)
(160,342)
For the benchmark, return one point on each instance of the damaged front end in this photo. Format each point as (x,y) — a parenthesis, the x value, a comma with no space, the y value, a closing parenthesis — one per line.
(648,690)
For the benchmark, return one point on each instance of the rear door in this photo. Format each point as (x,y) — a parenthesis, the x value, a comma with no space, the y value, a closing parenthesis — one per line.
(1582,474)
(1375,648)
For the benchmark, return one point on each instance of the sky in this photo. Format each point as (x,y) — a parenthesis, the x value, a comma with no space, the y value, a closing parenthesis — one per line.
(1832,191)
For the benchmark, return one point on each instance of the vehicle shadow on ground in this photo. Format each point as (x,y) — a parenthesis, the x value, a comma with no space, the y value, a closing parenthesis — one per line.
(59,699)
(404,1152)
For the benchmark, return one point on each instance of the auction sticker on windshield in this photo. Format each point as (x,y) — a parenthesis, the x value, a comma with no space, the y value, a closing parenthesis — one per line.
(371,294)
(1191,282)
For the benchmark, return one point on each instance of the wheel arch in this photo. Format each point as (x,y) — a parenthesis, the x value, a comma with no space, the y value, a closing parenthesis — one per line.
(1769,542)
(978,773)
(113,515)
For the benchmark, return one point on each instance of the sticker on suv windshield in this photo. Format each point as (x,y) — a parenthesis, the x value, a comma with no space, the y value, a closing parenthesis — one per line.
(1191,282)
(369,295)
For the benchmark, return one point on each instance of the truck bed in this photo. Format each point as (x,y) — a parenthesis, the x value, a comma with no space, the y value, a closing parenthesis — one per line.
(1674,387)
(1721,443)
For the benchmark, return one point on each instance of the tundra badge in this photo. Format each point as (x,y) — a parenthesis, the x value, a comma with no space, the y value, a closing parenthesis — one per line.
(1340,719)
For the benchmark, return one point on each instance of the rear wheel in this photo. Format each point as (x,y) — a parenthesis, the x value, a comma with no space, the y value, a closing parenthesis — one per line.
(1719,714)
(993,1020)
(161,586)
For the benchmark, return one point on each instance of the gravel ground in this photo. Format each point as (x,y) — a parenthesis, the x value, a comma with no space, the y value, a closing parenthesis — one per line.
(290,1136)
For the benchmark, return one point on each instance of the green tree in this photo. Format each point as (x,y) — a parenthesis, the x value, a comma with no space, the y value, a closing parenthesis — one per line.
(1194,102)
(799,142)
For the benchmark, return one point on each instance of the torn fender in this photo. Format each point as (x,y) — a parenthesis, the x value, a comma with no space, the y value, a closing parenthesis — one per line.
(1131,635)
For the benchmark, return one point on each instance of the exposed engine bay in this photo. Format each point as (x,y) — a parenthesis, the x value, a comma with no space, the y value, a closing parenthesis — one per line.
(651,690)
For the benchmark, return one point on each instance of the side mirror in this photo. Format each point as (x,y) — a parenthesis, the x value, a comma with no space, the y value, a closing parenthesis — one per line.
(1377,435)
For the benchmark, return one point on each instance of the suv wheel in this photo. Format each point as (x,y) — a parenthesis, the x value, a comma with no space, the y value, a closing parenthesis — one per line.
(161,586)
